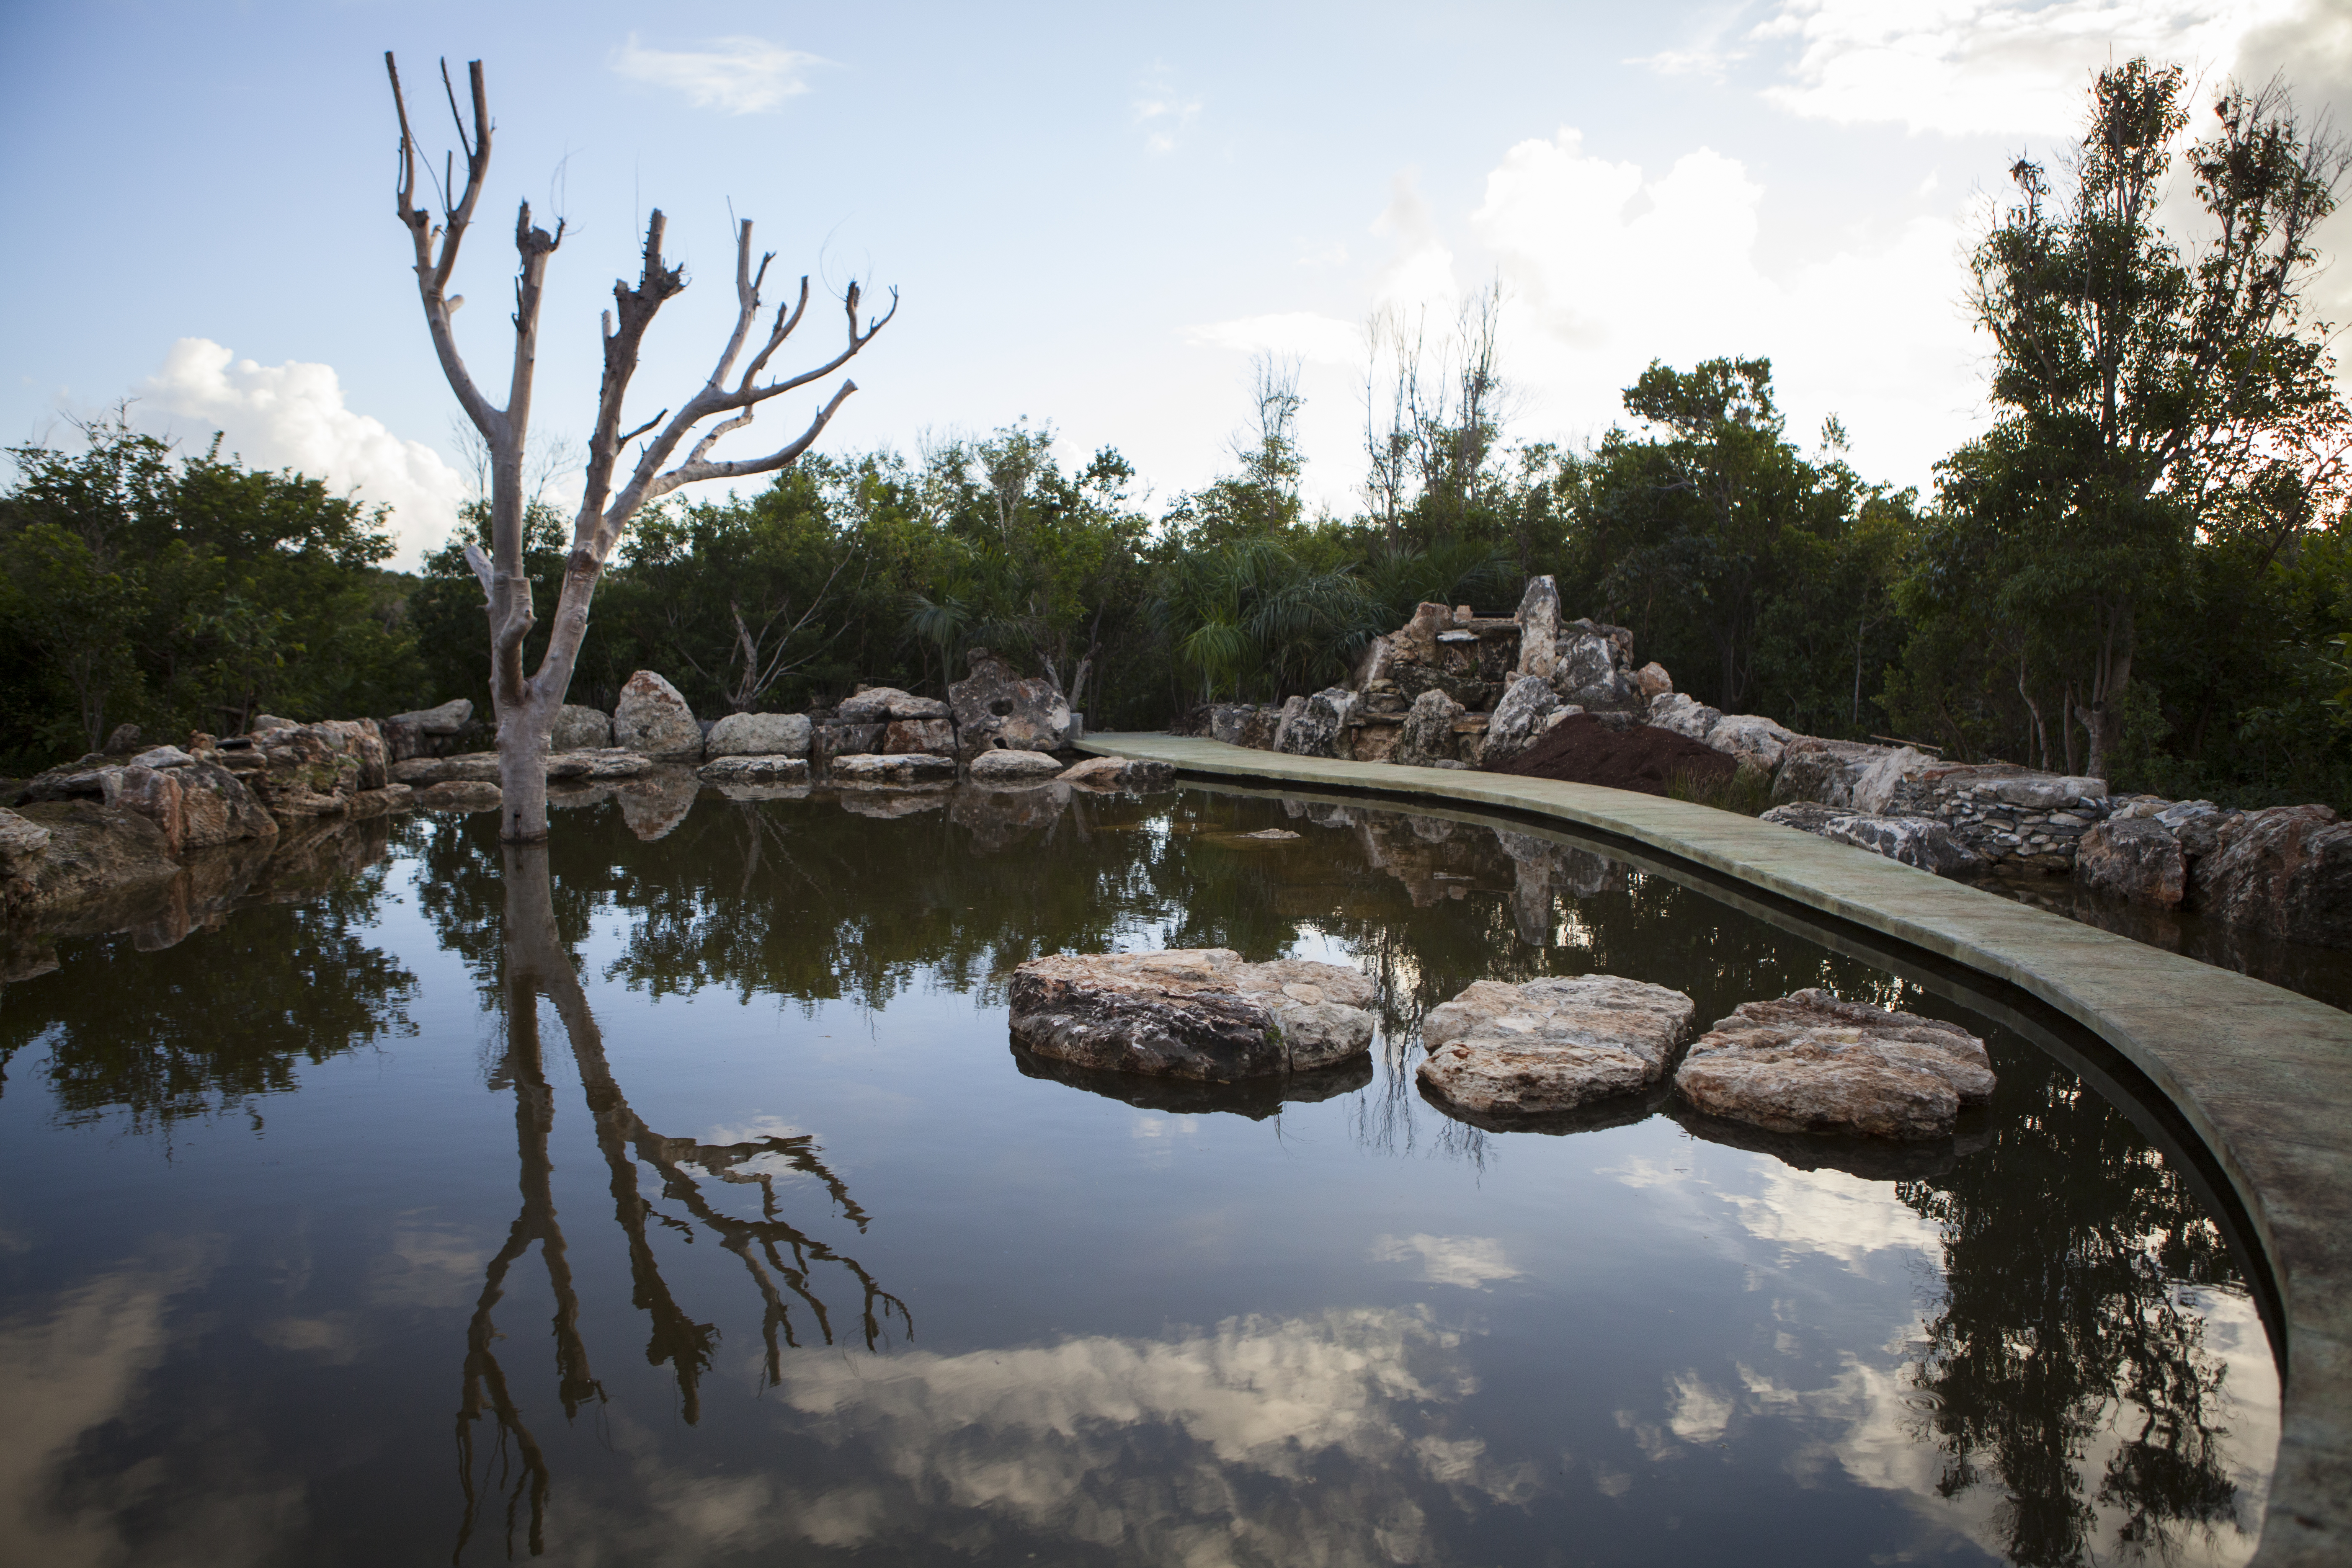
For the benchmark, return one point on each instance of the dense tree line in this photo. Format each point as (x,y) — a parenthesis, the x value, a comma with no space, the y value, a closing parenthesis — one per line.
(2140,569)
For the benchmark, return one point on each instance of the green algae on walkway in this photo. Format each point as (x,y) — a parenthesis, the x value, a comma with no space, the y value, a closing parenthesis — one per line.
(2262,1076)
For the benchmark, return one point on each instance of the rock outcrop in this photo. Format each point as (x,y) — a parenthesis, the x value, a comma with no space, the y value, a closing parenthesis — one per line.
(995,709)
(1810,1063)
(1195,1012)
(758,735)
(1920,841)
(653,720)
(2286,871)
(2137,859)
(1549,1046)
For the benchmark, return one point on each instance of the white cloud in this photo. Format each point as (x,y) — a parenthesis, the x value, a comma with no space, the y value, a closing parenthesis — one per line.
(1165,114)
(1469,1261)
(292,416)
(1988,66)
(739,75)
(1322,340)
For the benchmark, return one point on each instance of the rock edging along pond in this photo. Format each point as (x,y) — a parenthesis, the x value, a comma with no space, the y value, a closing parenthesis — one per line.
(2260,1076)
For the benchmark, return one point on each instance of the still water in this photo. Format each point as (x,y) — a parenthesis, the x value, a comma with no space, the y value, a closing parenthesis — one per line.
(681,1200)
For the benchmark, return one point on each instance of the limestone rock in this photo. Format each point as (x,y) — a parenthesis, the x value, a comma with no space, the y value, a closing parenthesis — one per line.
(162,757)
(2137,859)
(457,794)
(92,851)
(1196,1013)
(759,768)
(447,719)
(1593,669)
(1822,771)
(936,737)
(2286,871)
(1810,1063)
(1013,767)
(121,740)
(1875,790)
(889,767)
(1551,1045)
(1321,728)
(995,709)
(1133,774)
(1755,740)
(23,842)
(1653,681)
(1292,706)
(653,721)
(1684,715)
(759,735)
(1538,618)
(1426,737)
(581,729)
(265,722)
(880,704)
(1920,841)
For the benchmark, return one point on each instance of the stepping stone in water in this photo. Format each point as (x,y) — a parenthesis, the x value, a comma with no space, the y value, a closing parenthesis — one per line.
(1810,1063)
(1195,1012)
(1552,1045)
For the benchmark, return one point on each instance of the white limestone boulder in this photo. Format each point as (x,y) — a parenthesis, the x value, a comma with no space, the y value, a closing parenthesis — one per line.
(1808,1062)
(1191,1013)
(1550,1045)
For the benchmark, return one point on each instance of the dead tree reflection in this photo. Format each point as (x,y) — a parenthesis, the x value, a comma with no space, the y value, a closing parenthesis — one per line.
(780,1256)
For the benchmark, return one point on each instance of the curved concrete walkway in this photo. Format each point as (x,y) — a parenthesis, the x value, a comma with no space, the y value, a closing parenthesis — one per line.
(2262,1076)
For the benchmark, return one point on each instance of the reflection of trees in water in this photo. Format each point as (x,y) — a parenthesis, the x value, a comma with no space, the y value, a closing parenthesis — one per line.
(780,1257)
(220,1018)
(2066,1243)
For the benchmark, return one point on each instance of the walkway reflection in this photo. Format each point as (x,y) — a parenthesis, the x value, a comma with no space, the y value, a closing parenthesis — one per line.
(538,962)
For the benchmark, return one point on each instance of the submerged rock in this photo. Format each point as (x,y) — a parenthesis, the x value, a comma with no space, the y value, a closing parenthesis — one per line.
(1810,1063)
(892,767)
(1549,1046)
(653,720)
(457,794)
(1191,1013)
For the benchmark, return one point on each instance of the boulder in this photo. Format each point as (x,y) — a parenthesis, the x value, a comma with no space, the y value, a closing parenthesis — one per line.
(869,768)
(1810,1063)
(1426,737)
(265,722)
(1593,669)
(447,719)
(1920,841)
(1196,1013)
(91,851)
(1755,740)
(1133,774)
(1653,681)
(764,769)
(934,736)
(880,704)
(457,794)
(1013,767)
(1821,770)
(833,739)
(2137,859)
(121,740)
(1874,790)
(2197,825)
(1549,1046)
(1292,706)
(1538,618)
(1321,728)
(995,709)
(581,729)
(162,757)
(23,842)
(1684,715)
(653,721)
(2045,792)
(2286,871)
(759,735)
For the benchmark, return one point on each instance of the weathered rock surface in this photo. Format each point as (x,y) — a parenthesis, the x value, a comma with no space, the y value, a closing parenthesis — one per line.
(653,720)
(757,769)
(92,850)
(936,737)
(581,729)
(1653,681)
(1683,714)
(880,704)
(758,735)
(1002,767)
(457,794)
(121,740)
(1320,730)
(1810,1063)
(447,719)
(1823,771)
(1426,737)
(1920,841)
(1593,669)
(2286,871)
(1755,740)
(892,767)
(1528,707)
(1538,618)
(1549,1046)
(1120,773)
(995,709)
(482,767)
(1191,1013)
(2137,859)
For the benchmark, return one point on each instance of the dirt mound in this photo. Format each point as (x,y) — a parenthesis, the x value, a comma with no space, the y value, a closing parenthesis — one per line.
(1580,749)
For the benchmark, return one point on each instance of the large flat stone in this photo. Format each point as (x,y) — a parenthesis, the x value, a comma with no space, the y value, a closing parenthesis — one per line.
(1808,1062)
(1191,1013)
(1552,1045)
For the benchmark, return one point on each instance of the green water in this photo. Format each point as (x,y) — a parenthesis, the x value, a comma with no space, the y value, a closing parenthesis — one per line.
(681,1200)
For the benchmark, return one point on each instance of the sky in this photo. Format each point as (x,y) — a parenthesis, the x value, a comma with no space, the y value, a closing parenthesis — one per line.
(1095,215)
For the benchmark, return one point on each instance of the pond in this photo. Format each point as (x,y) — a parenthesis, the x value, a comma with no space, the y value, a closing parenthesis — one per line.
(683,1200)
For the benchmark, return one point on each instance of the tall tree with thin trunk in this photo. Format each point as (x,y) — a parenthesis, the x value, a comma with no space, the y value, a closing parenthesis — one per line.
(526,701)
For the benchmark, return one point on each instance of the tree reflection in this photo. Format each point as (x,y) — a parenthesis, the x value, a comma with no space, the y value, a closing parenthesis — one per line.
(2062,1326)
(537,963)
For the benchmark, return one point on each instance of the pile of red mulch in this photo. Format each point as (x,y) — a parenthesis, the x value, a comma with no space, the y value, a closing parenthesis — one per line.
(1580,749)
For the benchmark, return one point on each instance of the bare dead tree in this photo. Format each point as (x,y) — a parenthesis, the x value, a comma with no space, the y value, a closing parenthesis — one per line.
(526,701)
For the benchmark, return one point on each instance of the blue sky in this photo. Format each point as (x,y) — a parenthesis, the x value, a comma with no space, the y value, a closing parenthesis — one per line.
(1095,214)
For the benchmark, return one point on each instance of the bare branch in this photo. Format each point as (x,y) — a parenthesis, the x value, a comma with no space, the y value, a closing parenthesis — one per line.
(483,571)
(694,472)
